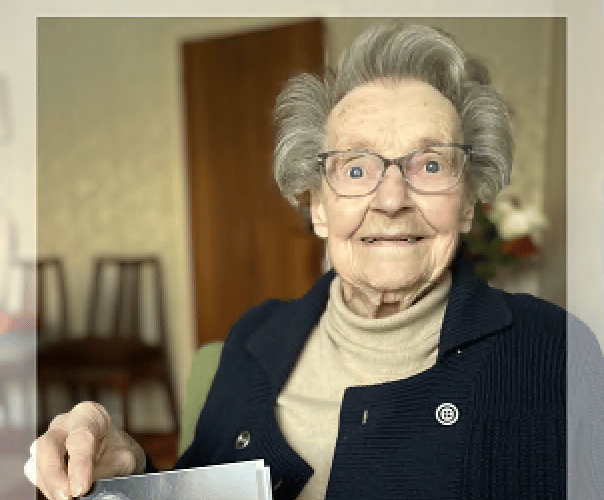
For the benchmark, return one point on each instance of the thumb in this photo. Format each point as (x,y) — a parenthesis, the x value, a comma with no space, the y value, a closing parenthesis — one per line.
(121,455)
(86,425)
(116,462)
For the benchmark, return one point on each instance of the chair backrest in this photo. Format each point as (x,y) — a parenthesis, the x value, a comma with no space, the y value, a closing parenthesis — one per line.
(51,294)
(127,291)
(203,368)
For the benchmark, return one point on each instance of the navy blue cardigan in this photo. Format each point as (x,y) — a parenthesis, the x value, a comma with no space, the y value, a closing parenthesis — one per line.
(501,362)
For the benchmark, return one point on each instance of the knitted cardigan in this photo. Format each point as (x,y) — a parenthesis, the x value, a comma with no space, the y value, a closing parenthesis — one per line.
(501,365)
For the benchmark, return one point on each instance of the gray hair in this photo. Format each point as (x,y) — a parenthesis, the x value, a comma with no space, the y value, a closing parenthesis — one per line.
(394,52)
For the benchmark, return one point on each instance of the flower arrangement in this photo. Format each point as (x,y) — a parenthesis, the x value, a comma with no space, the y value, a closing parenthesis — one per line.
(504,233)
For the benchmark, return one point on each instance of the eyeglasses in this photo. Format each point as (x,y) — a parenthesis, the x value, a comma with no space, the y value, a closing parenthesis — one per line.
(432,169)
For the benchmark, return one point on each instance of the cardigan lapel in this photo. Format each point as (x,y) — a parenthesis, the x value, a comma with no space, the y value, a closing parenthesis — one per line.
(474,310)
(278,342)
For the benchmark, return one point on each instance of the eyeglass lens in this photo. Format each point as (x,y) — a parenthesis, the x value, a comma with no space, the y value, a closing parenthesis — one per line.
(431,170)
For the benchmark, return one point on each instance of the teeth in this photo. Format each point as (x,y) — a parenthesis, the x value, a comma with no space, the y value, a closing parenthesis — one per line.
(408,240)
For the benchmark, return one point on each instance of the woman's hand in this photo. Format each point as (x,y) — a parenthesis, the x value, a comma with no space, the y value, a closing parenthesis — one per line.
(78,448)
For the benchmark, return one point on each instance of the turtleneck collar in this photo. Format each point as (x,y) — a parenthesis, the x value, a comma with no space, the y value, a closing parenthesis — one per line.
(387,348)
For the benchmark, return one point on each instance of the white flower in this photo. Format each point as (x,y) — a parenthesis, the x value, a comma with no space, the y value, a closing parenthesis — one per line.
(515,220)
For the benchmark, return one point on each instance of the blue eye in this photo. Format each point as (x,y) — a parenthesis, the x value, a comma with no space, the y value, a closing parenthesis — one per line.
(356,172)
(432,167)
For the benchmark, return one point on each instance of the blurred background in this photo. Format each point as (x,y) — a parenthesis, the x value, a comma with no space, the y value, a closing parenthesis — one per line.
(157,218)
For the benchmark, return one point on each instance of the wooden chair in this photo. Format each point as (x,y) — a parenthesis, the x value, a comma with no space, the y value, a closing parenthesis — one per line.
(119,356)
(50,274)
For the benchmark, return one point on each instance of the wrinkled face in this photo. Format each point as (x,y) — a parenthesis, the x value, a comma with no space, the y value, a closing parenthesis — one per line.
(394,239)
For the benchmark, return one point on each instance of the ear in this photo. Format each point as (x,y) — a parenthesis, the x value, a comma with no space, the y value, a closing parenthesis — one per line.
(466,214)
(317,214)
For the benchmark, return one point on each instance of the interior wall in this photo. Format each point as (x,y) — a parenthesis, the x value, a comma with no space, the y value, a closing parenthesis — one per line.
(553,284)
(110,152)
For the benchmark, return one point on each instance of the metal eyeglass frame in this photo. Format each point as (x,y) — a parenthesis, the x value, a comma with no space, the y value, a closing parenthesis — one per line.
(399,162)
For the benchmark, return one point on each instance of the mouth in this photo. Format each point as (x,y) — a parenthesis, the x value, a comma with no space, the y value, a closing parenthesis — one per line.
(373,240)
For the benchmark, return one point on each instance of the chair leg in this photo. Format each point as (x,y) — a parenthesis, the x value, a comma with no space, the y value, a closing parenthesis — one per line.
(73,393)
(125,409)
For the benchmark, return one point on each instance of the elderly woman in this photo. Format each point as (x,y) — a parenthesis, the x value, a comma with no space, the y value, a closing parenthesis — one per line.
(399,374)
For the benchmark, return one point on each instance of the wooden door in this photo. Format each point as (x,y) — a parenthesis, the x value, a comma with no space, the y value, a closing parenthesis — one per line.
(248,242)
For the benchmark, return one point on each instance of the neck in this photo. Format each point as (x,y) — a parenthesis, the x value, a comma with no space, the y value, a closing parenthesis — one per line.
(371,303)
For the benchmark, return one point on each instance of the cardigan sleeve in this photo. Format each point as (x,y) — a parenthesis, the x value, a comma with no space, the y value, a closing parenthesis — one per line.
(585,413)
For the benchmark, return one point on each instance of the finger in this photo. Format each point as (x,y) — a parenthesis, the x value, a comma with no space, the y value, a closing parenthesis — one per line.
(81,445)
(137,458)
(46,491)
(86,414)
(50,449)
(115,463)
(51,476)
(31,472)
(84,427)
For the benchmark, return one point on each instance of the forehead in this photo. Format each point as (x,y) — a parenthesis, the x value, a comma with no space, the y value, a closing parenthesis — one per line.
(392,115)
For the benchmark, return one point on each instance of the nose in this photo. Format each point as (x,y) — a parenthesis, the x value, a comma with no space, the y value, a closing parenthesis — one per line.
(392,195)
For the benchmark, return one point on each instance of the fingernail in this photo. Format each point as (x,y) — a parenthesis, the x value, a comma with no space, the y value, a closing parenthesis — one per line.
(61,495)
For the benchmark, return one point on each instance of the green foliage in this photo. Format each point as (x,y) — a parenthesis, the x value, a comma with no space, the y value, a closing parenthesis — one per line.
(486,246)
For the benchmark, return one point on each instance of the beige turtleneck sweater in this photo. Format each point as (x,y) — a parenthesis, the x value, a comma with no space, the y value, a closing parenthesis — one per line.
(347,350)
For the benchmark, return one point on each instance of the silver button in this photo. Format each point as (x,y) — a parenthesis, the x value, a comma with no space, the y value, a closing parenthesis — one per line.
(365,417)
(447,414)
(243,440)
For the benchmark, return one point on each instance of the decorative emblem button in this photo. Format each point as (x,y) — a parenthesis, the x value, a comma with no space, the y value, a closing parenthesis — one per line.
(243,440)
(447,414)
